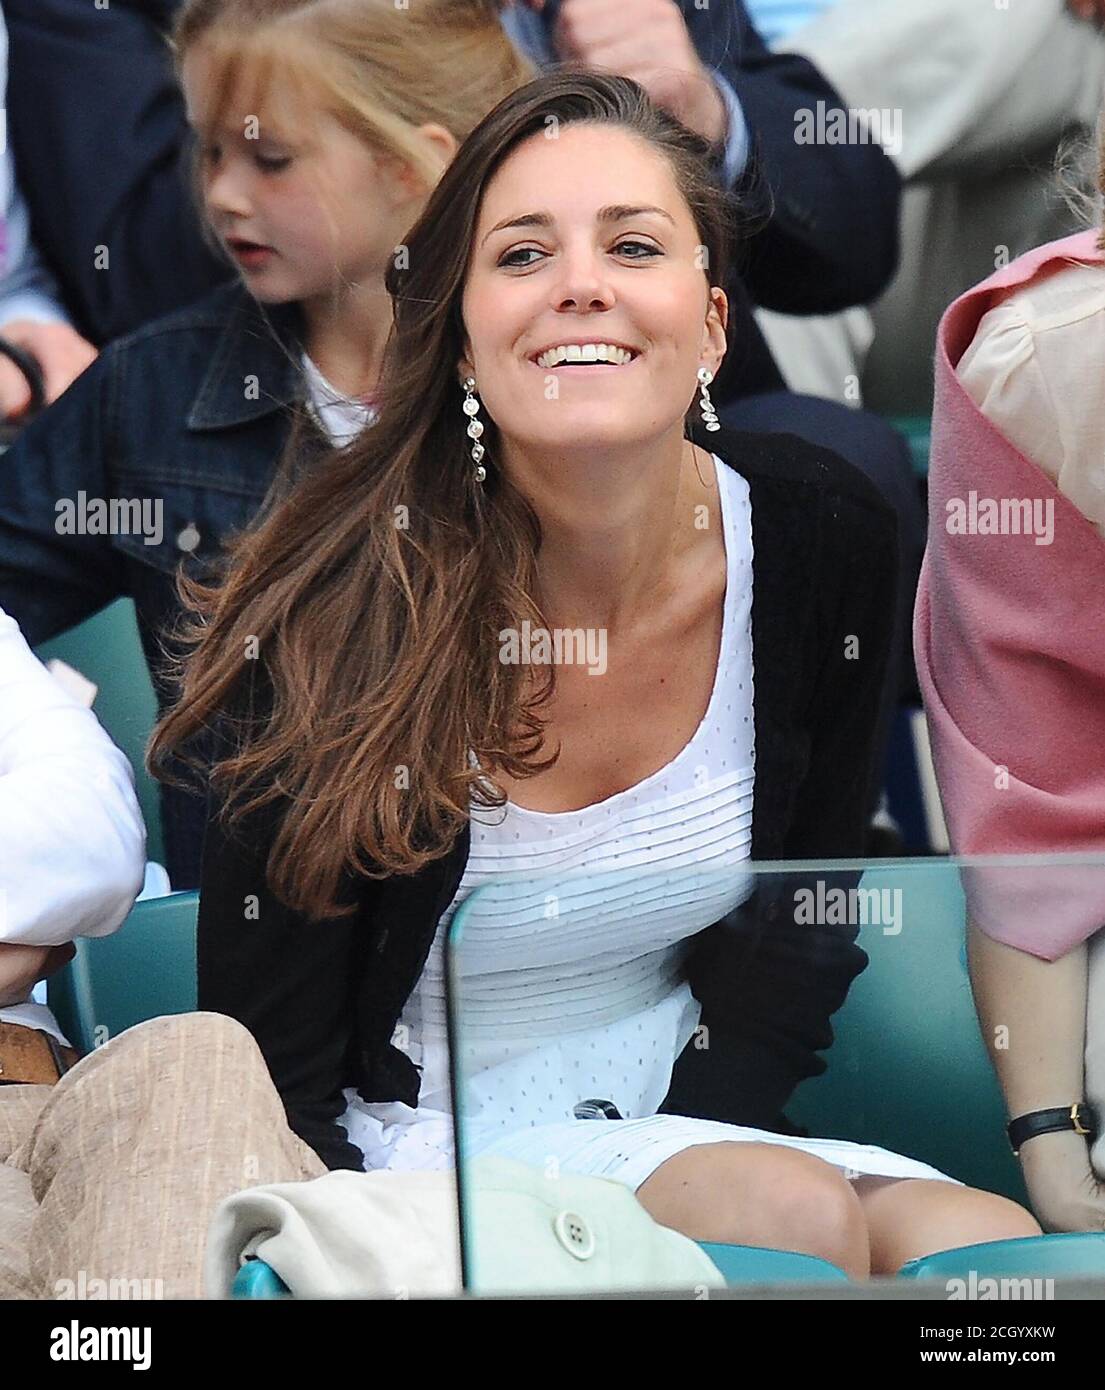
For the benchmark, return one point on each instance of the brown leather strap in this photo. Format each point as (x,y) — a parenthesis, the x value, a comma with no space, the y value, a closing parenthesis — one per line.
(30,1057)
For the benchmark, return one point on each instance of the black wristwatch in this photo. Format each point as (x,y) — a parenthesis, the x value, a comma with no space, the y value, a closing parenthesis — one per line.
(1080,1117)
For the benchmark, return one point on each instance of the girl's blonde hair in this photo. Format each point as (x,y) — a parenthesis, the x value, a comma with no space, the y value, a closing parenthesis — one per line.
(378,68)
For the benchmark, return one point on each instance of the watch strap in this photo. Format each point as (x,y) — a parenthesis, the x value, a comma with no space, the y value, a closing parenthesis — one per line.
(1080,1117)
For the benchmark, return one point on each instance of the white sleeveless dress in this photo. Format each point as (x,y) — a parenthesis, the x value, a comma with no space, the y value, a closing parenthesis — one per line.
(577,993)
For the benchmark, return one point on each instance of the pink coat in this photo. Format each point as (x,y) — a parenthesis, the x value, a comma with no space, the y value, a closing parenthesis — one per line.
(1009,637)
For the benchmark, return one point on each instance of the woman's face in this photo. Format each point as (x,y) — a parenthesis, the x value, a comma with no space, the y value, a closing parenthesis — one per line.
(324,205)
(599,246)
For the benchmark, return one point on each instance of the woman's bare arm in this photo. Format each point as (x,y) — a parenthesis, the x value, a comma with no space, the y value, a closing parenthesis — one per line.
(1033,1018)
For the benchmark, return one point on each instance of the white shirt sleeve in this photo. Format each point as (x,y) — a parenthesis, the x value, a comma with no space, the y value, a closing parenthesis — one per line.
(1035,367)
(72,839)
(1001,373)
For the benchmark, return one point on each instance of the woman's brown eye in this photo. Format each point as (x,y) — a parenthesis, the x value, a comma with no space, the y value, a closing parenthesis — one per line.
(640,245)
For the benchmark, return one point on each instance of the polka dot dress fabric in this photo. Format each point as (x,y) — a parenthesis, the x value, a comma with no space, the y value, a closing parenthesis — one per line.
(570,968)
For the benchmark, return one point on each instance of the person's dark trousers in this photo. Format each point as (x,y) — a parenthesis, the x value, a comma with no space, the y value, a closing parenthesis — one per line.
(878,450)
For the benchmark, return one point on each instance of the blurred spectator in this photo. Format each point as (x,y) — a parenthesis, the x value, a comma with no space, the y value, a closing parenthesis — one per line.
(987,97)
(99,137)
(31,316)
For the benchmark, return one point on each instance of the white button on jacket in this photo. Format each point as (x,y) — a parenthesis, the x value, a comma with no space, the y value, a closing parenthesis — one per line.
(574,1234)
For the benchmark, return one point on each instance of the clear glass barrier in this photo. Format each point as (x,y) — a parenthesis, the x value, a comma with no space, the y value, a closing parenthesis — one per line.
(569,999)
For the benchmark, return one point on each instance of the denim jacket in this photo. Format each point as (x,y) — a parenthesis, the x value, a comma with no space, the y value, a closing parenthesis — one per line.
(180,426)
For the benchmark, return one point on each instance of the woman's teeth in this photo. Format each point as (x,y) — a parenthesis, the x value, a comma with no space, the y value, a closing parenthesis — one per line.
(589,352)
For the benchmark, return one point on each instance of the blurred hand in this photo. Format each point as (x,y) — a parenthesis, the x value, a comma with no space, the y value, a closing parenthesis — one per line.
(61,353)
(1088,9)
(648,41)
(1063,1188)
(21,968)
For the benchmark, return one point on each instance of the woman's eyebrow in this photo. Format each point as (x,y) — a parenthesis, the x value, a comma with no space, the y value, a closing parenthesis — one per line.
(614,212)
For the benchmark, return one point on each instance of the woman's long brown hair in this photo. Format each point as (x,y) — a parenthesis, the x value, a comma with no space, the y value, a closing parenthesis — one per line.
(368,601)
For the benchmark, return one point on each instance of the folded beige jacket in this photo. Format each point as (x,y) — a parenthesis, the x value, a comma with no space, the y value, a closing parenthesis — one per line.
(394,1235)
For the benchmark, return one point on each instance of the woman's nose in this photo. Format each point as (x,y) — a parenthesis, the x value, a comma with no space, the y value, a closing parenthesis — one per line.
(584,282)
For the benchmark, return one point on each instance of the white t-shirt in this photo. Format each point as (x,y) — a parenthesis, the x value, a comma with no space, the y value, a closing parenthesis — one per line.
(341,417)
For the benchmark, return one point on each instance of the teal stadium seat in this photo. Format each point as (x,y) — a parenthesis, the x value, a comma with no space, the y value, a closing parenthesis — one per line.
(144,970)
(256,1279)
(106,649)
(908,1069)
(754,1264)
(1064,1256)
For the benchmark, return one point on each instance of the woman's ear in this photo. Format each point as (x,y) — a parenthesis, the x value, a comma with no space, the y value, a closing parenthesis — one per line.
(714,342)
(721,304)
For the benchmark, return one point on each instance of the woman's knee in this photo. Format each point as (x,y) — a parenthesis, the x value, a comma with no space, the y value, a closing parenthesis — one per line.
(817,1210)
(912,1218)
(761,1194)
(975,1217)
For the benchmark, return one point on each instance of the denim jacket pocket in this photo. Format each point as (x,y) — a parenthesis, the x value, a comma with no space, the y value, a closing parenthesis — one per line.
(181,521)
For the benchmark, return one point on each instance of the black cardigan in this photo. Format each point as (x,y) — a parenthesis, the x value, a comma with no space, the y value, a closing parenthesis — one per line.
(322,998)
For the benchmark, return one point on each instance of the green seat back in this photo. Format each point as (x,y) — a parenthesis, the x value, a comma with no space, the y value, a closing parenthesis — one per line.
(740,1264)
(256,1279)
(909,1070)
(144,970)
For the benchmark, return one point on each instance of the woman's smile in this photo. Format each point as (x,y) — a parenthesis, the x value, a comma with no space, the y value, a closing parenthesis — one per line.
(584,369)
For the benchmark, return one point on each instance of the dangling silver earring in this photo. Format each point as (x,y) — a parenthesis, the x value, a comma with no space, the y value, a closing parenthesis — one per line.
(471,408)
(709,414)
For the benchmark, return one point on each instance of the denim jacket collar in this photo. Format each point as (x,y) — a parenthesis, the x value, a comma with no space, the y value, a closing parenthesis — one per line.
(258,341)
